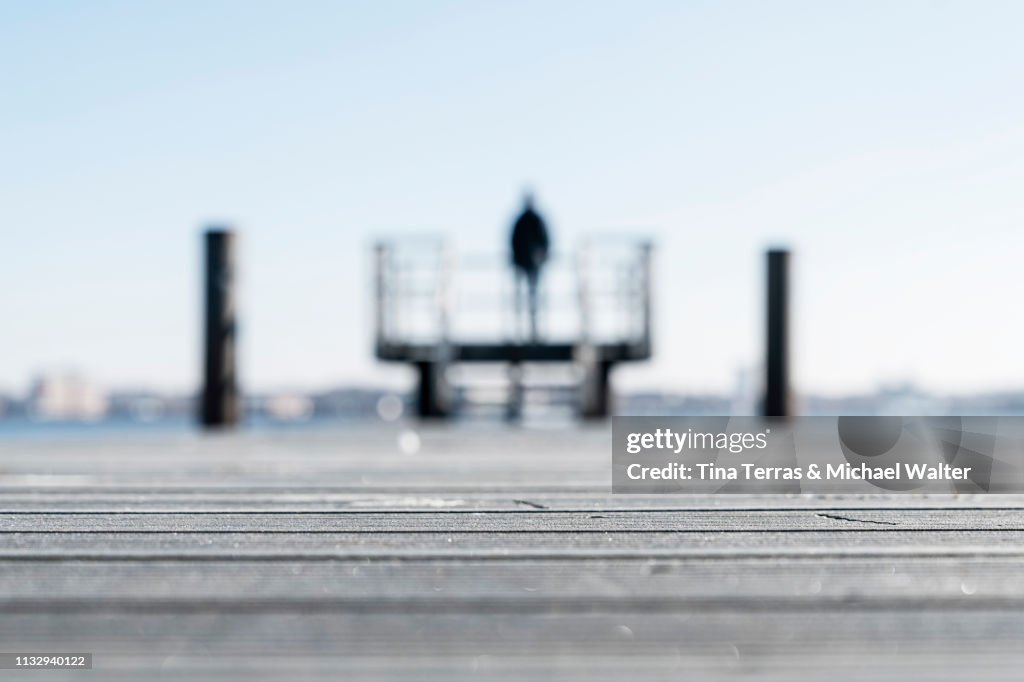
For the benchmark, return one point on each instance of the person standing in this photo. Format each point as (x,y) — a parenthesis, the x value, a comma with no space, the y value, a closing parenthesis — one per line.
(530,246)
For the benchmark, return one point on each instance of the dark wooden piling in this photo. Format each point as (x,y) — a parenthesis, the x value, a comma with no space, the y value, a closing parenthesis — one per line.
(433,395)
(777,401)
(220,401)
(597,390)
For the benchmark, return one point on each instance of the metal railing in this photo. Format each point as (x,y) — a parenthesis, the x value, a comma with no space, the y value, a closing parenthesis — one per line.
(430,295)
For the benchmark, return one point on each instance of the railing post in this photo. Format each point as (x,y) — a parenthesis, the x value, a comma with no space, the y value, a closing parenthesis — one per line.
(381,299)
(777,402)
(220,400)
(647,250)
(583,288)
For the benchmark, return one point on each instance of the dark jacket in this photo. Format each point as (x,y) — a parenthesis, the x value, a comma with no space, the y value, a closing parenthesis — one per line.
(529,241)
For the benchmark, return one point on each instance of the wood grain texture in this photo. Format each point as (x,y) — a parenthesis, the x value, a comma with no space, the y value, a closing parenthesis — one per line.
(489,554)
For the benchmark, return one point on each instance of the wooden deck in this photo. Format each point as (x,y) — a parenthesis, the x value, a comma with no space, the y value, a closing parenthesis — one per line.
(488,554)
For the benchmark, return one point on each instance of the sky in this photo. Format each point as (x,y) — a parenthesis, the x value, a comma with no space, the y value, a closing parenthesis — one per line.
(882,142)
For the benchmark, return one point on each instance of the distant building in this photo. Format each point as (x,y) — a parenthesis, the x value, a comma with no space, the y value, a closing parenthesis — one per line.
(66,397)
(288,407)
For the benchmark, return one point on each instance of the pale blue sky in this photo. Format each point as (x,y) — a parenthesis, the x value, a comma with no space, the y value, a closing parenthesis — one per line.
(883,141)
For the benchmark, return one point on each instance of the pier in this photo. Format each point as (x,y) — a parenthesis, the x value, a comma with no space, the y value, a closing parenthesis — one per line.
(490,553)
(487,549)
(430,303)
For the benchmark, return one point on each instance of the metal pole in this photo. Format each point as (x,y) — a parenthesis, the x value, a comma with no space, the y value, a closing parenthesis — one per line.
(220,400)
(381,302)
(776,395)
(647,250)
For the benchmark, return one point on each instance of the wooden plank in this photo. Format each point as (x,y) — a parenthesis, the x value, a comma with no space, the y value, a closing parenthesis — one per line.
(517,521)
(458,546)
(397,498)
(553,586)
(838,645)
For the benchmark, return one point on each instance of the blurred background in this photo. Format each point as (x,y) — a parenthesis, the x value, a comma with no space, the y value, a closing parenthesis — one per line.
(883,143)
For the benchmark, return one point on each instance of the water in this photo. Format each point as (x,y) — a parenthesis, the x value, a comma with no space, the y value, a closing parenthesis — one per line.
(20,427)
